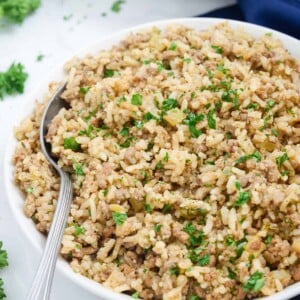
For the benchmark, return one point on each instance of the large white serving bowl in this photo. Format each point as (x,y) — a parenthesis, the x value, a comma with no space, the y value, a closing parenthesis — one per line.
(16,198)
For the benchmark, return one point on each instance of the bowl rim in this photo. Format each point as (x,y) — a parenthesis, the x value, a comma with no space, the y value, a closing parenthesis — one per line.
(14,196)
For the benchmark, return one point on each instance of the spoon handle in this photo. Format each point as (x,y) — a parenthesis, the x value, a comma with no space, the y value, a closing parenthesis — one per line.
(41,286)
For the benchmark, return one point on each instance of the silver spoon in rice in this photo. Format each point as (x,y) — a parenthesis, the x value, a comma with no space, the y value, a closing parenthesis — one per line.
(41,286)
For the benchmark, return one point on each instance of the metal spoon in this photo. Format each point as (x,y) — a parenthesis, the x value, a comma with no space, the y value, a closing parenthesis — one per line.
(41,286)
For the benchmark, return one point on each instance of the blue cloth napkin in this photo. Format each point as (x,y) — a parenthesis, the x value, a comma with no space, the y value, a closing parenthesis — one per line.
(281,15)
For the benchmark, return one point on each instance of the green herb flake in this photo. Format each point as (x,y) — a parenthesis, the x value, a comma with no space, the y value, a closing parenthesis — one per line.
(290,112)
(270,104)
(3,257)
(122,99)
(124,131)
(228,135)
(221,68)
(105,192)
(119,218)
(159,165)
(2,292)
(229,240)
(138,124)
(136,99)
(237,185)
(187,60)
(255,155)
(240,246)
(71,143)
(78,169)
(174,270)
(40,57)
(217,49)
(255,282)
(193,297)
(30,190)
(135,295)
(149,116)
(173,46)
(196,237)
(231,273)
(280,160)
(191,120)
(268,239)
(87,132)
(79,230)
(126,143)
(275,132)
(211,120)
(169,104)
(84,89)
(166,157)
(157,227)
(117,5)
(109,73)
(147,62)
(67,17)
(12,81)
(148,208)
(166,208)
(243,197)
(252,106)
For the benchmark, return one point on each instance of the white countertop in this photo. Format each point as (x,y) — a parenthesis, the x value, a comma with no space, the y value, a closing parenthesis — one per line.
(47,33)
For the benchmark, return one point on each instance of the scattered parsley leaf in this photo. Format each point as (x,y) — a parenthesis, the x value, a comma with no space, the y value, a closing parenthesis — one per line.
(217,49)
(148,208)
(12,81)
(116,6)
(3,257)
(157,227)
(173,46)
(174,270)
(79,230)
(135,295)
(84,89)
(109,73)
(268,239)
(78,169)
(166,208)
(255,282)
(211,120)
(243,197)
(119,218)
(136,99)
(280,160)
(40,57)
(169,104)
(124,131)
(71,143)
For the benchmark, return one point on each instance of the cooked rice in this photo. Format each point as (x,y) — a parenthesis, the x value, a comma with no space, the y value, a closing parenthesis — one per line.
(185,165)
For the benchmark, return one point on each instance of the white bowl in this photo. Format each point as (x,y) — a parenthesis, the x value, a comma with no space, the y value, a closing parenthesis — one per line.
(16,199)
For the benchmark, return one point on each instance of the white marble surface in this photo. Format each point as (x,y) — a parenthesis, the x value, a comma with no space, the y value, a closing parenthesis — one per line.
(45,32)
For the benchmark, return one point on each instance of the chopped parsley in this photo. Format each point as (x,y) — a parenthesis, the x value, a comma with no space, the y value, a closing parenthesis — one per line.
(174,270)
(217,49)
(138,124)
(71,143)
(270,104)
(231,273)
(280,160)
(196,237)
(78,169)
(255,155)
(12,80)
(211,120)
(147,62)
(268,239)
(275,132)
(79,230)
(119,218)
(127,142)
(2,293)
(252,106)
(173,46)
(122,99)
(109,73)
(136,99)
(159,165)
(169,104)
(191,120)
(193,297)
(166,208)
(135,295)
(255,282)
(67,17)
(221,68)
(231,96)
(187,60)
(240,246)
(204,260)
(149,116)
(40,57)
(166,157)
(30,190)
(84,89)
(88,131)
(157,227)
(148,208)
(116,6)
(243,197)
(124,131)
(237,185)
(17,10)
(3,257)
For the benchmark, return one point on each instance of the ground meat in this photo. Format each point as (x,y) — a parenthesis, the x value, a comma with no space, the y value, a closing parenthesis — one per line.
(277,250)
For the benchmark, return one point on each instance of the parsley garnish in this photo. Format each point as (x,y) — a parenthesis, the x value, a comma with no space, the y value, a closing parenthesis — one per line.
(157,227)
(3,257)
(88,131)
(84,89)
(231,273)
(159,165)
(148,208)
(138,124)
(135,295)
(149,116)
(78,169)
(252,106)
(136,99)
(187,60)
(196,237)
(217,49)
(194,297)
(191,120)
(79,230)
(169,104)
(255,282)
(71,143)
(2,293)
(30,190)
(166,208)
(173,46)
(211,120)
(270,104)
(255,155)
(12,81)
(175,270)
(243,198)
(109,73)
(40,57)
(127,142)
(268,239)
(119,218)
(116,6)
(124,131)
(280,160)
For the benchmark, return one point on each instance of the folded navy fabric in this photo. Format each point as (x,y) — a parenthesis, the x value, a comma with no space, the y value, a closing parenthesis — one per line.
(281,15)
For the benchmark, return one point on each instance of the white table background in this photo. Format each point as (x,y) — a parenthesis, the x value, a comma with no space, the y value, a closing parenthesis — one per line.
(47,33)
